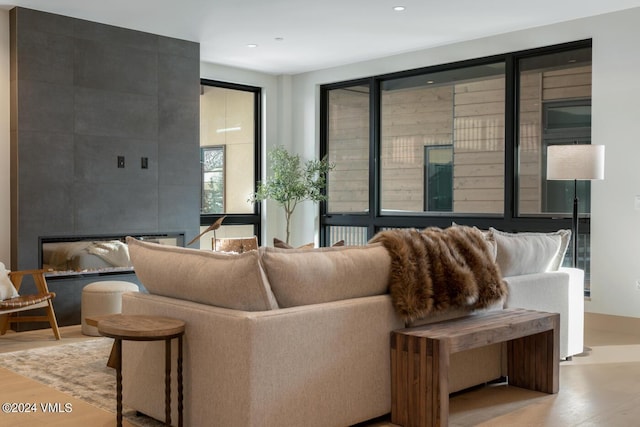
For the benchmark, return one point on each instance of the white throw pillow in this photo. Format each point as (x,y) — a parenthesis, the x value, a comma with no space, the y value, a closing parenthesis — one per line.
(7,290)
(528,253)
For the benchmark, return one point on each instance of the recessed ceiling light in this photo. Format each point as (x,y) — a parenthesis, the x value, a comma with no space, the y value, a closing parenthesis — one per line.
(430,82)
(252,45)
(399,8)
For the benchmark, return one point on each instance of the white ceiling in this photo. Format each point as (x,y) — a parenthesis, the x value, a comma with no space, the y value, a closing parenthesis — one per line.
(318,34)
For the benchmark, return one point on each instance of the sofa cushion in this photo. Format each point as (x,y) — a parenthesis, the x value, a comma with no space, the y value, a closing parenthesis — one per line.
(528,253)
(311,276)
(228,280)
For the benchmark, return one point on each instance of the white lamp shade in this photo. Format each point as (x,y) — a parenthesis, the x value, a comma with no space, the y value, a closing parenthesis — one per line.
(577,161)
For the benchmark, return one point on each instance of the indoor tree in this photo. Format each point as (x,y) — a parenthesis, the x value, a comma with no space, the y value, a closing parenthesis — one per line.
(292,182)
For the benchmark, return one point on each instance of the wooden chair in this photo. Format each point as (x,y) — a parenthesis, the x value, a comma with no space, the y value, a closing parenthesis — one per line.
(43,299)
(235,244)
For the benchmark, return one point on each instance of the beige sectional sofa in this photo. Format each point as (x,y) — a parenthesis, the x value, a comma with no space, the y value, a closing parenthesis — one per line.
(275,337)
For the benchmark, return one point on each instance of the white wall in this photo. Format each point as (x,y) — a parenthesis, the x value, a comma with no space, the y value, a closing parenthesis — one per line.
(615,223)
(616,106)
(5,197)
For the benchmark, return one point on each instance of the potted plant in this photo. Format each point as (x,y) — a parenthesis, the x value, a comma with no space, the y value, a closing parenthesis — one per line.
(292,182)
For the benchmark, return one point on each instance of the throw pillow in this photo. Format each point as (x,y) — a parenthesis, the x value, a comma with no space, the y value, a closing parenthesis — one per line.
(528,253)
(277,243)
(312,276)
(7,290)
(235,281)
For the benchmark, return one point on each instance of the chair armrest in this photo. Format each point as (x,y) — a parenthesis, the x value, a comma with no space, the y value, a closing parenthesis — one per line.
(38,277)
(555,292)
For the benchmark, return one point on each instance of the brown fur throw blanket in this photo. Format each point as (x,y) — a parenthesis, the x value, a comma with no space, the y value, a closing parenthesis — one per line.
(434,269)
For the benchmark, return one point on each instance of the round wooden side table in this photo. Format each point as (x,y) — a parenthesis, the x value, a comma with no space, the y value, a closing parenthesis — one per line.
(144,328)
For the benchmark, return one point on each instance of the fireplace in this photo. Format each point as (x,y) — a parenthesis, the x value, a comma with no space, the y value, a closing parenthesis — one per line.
(72,256)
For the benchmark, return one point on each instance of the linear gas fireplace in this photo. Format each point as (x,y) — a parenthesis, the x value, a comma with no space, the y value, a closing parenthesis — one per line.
(69,256)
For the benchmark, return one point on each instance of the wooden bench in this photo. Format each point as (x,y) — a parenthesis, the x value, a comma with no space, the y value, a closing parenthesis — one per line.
(420,359)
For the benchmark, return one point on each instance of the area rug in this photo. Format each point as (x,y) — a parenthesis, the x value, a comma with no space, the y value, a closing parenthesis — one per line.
(78,369)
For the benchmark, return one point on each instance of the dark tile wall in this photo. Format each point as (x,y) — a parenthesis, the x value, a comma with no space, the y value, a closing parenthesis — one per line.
(83,94)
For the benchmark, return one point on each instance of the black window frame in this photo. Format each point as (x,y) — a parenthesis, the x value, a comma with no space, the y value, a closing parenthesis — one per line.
(254,218)
(510,220)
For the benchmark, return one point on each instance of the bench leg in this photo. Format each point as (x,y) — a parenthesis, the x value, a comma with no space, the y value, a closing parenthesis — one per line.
(441,405)
(534,362)
(420,382)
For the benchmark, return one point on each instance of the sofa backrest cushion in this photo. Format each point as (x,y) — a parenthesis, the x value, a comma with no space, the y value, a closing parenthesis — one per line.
(528,253)
(228,280)
(312,276)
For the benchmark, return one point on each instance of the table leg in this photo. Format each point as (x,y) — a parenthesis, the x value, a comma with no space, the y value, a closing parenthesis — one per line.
(111,363)
(180,396)
(117,361)
(167,381)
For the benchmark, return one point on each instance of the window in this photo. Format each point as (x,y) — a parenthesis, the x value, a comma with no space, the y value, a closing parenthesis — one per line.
(438,175)
(348,182)
(463,142)
(229,152)
(462,108)
(212,162)
(555,108)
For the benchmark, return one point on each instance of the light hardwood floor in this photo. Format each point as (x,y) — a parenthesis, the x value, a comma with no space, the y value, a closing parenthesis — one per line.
(601,388)
(16,388)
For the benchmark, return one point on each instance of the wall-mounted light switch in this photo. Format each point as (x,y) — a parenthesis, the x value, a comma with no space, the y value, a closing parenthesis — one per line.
(120,161)
(144,162)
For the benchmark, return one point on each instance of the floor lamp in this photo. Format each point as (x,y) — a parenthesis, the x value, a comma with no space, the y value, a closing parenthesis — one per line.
(575,162)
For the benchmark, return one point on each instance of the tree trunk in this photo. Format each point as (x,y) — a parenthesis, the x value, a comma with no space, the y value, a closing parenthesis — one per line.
(287,216)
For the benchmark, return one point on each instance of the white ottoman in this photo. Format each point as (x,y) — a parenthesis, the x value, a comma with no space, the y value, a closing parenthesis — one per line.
(100,298)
